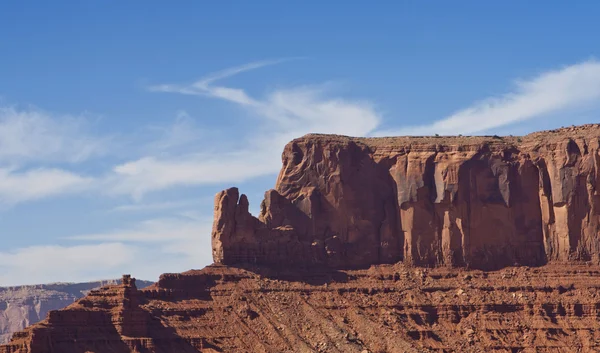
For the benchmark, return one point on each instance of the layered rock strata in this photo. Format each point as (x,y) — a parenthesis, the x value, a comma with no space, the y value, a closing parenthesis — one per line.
(383,309)
(21,306)
(480,202)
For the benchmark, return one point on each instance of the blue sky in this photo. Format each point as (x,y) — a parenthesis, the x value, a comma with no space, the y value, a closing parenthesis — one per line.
(119,121)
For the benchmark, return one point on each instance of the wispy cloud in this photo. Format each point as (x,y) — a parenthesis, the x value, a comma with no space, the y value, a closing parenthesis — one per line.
(152,173)
(181,243)
(300,109)
(153,230)
(51,263)
(32,143)
(144,249)
(32,135)
(19,186)
(282,115)
(551,92)
(160,206)
(206,81)
(181,132)
(204,87)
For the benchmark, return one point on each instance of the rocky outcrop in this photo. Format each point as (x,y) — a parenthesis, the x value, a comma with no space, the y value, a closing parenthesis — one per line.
(21,306)
(96,323)
(383,309)
(480,202)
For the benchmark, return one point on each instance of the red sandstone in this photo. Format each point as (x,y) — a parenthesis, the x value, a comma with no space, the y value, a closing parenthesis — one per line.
(479,202)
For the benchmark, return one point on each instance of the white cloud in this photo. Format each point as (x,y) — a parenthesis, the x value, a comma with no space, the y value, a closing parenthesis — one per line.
(173,244)
(51,263)
(303,110)
(145,250)
(19,186)
(161,206)
(550,92)
(181,133)
(283,115)
(203,87)
(154,230)
(298,110)
(32,142)
(33,135)
(206,81)
(170,159)
(151,174)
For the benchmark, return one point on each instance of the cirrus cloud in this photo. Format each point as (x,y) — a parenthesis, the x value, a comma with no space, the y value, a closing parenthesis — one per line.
(282,115)
(550,92)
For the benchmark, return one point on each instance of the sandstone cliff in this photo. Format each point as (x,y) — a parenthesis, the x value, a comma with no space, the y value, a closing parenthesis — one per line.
(21,306)
(481,202)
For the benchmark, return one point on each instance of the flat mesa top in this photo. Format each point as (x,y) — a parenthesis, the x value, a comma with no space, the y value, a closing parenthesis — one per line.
(573,132)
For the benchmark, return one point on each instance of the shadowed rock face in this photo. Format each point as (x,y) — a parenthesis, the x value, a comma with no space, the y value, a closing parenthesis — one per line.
(481,202)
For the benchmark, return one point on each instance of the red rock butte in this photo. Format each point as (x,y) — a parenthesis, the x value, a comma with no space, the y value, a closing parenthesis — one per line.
(479,202)
(395,244)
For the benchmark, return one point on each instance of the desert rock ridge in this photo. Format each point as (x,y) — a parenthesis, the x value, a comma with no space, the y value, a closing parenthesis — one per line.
(21,306)
(400,244)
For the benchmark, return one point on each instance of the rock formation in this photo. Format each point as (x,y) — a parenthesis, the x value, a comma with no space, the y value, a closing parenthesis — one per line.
(404,244)
(21,306)
(383,309)
(480,202)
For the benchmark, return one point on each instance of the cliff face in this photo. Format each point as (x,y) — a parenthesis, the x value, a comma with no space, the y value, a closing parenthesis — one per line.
(22,306)
(481,202)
